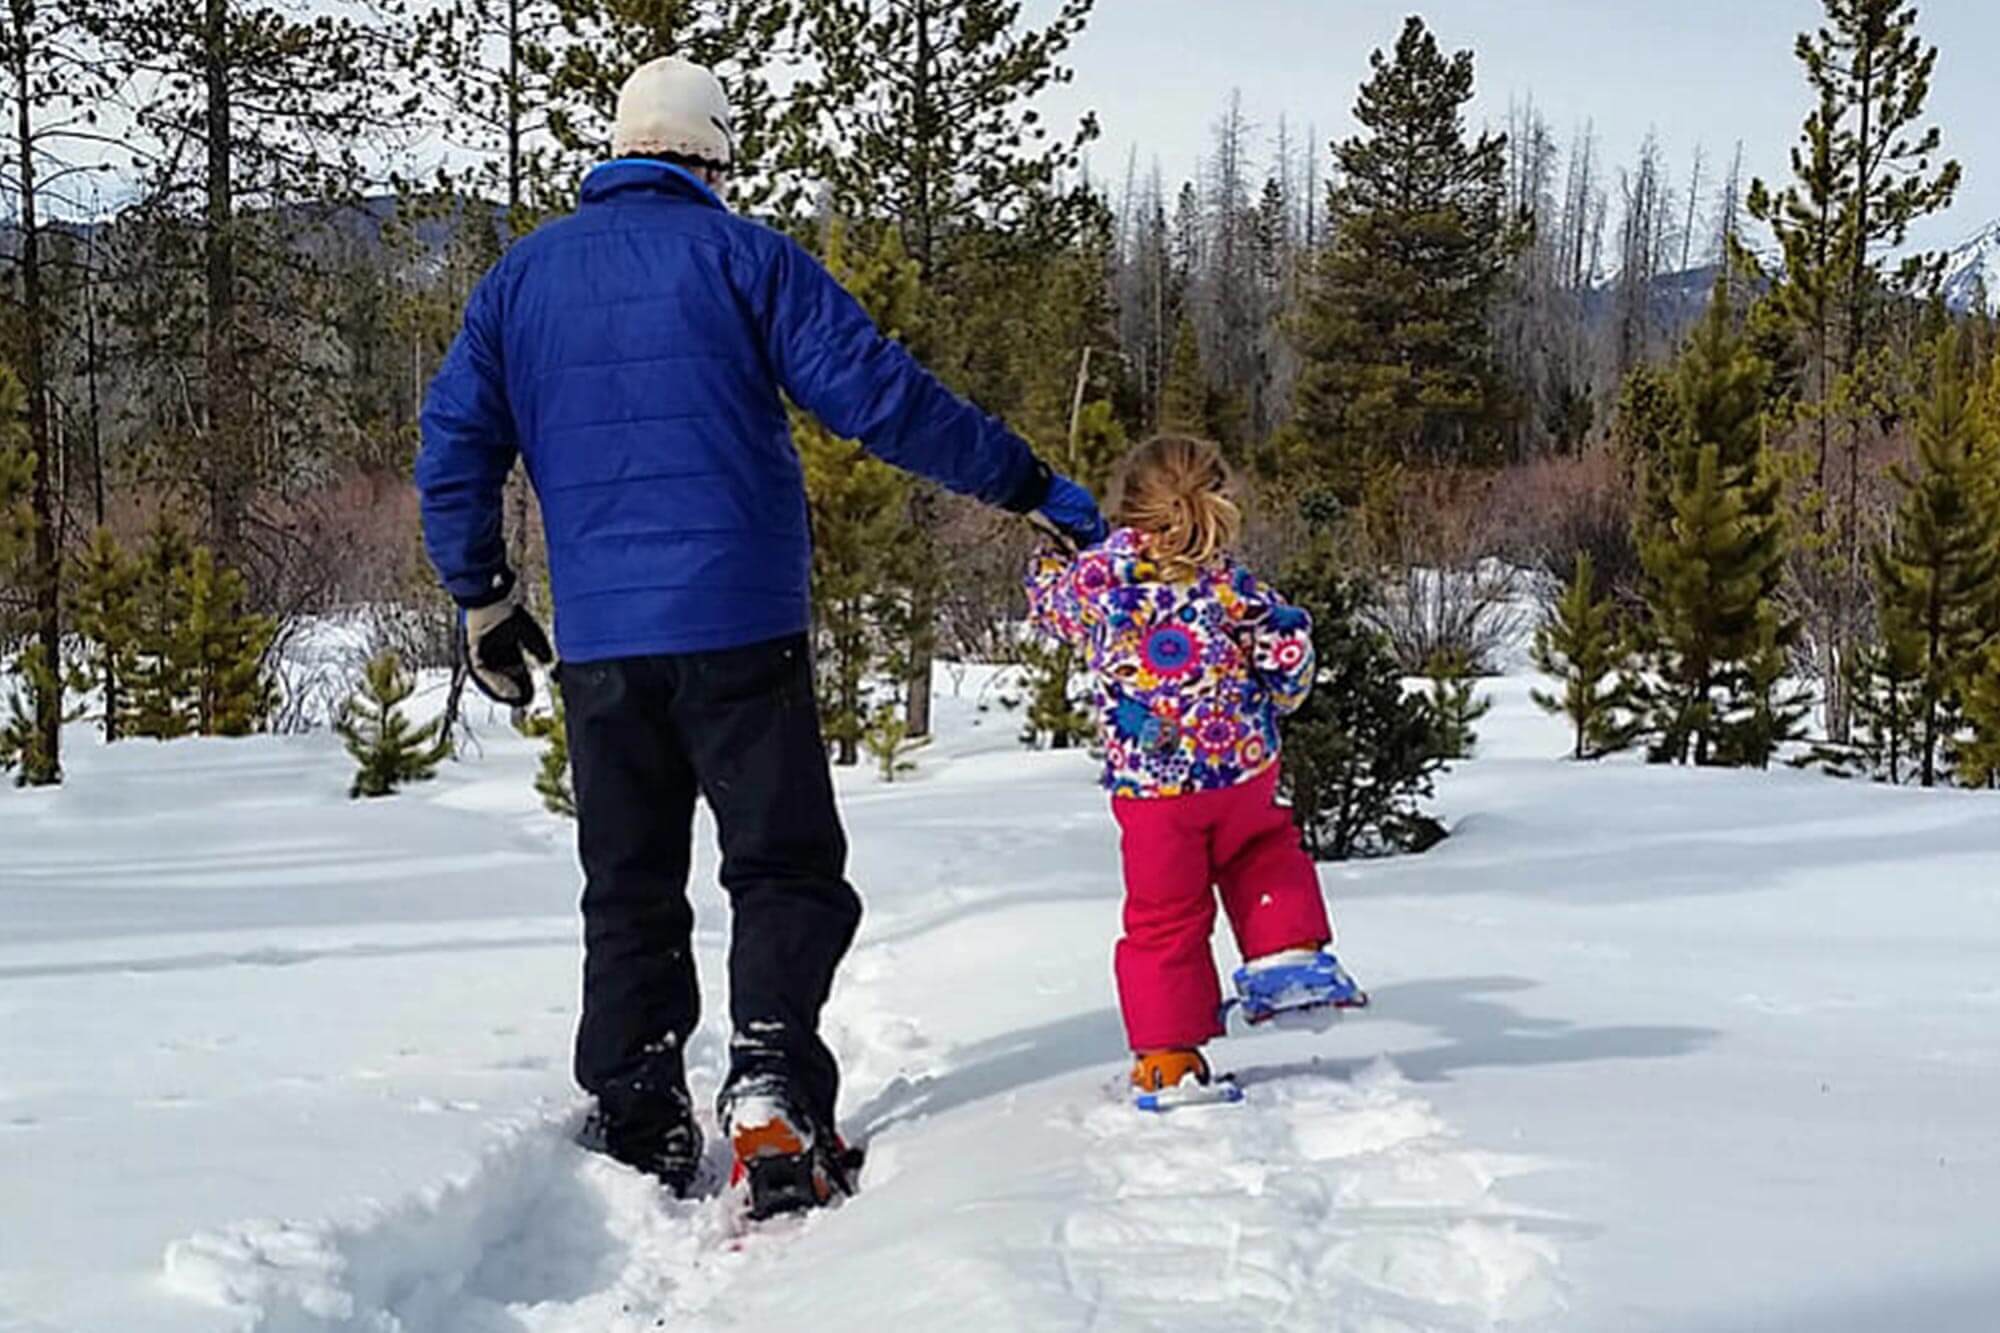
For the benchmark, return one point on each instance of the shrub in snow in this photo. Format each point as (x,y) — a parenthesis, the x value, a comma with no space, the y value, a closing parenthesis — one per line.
(388,749)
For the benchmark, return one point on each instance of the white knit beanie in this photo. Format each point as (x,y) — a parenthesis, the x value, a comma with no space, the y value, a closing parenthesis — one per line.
(674,106)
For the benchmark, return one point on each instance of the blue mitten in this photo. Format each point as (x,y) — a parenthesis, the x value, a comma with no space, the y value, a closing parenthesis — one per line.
(1074,513)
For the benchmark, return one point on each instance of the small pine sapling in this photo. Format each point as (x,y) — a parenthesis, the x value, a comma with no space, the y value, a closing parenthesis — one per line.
(1583,647)
(1455,709)
(889,743)
(552,775)
(388,749)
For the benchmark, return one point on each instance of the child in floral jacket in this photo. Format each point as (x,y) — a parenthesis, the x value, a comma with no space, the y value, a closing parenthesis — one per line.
(1195,661)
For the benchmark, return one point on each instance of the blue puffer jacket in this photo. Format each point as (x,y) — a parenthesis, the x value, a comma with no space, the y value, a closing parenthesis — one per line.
(634,353)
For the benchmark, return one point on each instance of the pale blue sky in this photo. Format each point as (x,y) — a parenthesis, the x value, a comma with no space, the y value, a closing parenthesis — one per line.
(1698,71)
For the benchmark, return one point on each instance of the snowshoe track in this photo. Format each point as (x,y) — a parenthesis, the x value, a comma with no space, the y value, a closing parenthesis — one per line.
(1318,1204)
(541,1235)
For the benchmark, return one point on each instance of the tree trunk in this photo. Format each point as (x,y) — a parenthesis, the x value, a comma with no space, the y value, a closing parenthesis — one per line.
(44,768)
(229,481)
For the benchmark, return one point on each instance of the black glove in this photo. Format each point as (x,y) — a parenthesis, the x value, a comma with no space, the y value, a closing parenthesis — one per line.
(500,637)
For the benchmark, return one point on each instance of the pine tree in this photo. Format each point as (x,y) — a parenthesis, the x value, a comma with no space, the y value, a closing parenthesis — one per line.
(388,750)
(1582,645)
(1938,577)
(1712,547)
(743,41)
(1454,706)
(889,743)
(250,131)
(1884,692)
(227,645)
(552,775)
(1362,753)
(860,509)
(104,607)
(17,479)
(160,682)
(1397,359)
(1865,169)
(921,114)
(1976,758)
(53,80)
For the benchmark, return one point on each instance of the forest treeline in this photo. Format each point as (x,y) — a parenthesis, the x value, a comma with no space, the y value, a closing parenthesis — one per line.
(1454,364)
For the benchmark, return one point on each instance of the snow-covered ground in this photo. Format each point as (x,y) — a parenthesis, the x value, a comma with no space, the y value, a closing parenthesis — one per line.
(1652,1050)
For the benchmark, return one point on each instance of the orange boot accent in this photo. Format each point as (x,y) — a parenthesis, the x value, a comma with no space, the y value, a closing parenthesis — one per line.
(1156,1071)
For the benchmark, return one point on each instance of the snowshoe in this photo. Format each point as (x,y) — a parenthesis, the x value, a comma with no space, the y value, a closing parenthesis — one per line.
(1167,1080)
(666,1145)
(1304,986)
(785,1161)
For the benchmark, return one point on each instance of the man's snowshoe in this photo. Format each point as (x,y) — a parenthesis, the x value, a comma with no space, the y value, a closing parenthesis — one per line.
(786,1161)
(665,1143)
(1165,1080)
(1302,986)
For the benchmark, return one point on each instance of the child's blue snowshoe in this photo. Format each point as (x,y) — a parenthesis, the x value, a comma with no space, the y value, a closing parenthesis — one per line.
(1304,985)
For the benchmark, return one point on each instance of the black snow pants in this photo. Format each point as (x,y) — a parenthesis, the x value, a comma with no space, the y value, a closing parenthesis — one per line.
(739,728)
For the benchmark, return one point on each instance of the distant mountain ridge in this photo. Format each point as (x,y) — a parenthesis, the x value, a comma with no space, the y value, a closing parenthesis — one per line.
(1972,271)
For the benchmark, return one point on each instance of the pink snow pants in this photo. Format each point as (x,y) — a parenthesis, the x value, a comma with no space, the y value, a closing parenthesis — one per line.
(1178,851)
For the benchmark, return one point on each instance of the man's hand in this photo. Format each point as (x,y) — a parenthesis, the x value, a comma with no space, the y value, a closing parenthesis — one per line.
(500,637)
(1072,512)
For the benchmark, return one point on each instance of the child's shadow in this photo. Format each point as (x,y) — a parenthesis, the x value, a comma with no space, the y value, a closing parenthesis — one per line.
(1477,1031)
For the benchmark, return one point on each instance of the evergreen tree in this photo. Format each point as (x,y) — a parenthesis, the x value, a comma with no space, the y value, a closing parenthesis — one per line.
(1865,169)
(921,114)
(1938,578)
(160,682)
(17,480)
(53,80)
(388,750)
(552,775)
(1455,707)
(743,41)
(104,607)
(860,509)
(1712,547)
(1884,693)
(890,744)
(227,646)
(248,139)
(1976,758)
(1582,645)
(1362,753)
(1397,356)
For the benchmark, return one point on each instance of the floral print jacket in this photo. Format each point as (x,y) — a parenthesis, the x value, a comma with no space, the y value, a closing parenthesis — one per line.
(1191,677)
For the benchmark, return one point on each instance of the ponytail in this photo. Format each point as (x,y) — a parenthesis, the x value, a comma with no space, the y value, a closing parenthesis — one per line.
(1176,492)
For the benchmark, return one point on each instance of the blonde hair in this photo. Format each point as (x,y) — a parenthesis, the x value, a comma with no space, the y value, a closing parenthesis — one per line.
(1176,492)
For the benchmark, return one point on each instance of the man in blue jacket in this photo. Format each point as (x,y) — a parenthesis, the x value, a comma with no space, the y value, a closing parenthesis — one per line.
(636,355)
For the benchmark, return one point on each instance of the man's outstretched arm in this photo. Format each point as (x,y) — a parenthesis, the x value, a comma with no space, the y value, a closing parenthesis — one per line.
(865,386)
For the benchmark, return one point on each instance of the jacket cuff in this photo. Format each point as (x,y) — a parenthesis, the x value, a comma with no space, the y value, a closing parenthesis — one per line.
(498,588)
(1033,490)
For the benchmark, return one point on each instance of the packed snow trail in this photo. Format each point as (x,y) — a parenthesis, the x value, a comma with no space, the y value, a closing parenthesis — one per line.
(1650,1050)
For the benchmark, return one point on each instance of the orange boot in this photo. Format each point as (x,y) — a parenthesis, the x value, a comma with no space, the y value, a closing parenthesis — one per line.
(1162,1080)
